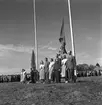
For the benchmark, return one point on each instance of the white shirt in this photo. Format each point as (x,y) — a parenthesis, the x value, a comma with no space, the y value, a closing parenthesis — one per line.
(51,64)
(64,61)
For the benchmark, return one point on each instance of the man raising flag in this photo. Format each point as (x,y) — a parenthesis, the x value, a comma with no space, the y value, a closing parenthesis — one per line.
(62,39)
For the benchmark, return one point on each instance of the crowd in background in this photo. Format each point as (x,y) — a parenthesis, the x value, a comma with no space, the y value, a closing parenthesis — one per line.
(9,78)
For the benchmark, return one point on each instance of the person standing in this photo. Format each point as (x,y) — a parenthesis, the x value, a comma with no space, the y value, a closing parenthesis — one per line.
(70,66)
(51,66)
(23,76)
(53,72)
(57,69)
(33,76)
(46,70)
(41,71)
(60,66)
(63,66)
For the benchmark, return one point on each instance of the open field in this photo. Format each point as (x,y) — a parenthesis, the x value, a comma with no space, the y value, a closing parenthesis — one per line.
(87,91)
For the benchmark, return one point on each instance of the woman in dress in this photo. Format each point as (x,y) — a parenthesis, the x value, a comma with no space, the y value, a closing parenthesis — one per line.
(41,71)
(23,76)
(51,66)
(63,66)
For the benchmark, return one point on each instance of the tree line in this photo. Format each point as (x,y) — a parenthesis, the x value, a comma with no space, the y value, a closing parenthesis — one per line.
(84,70)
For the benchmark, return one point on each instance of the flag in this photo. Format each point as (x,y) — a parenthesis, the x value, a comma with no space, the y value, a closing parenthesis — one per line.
(62,34)
(33,64)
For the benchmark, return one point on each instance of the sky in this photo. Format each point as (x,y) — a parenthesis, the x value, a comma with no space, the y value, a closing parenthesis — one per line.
(17,31)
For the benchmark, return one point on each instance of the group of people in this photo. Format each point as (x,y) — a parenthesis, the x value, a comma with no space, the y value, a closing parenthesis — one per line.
(53,70)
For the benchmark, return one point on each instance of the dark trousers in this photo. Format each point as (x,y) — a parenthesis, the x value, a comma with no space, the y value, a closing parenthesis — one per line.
(69,75)
(53,76)
(72,74)
(59,76)
(46,77)
(66,76)
(33,77)
(56,76)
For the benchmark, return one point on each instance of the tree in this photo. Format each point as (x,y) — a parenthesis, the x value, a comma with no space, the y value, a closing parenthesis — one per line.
(34,72)
(97,64)
(33,64)
(85,67)
(91,67)
(82,67)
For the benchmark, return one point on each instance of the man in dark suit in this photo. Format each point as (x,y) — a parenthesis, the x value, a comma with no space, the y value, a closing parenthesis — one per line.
(57,69)
(32,74)
(70,66)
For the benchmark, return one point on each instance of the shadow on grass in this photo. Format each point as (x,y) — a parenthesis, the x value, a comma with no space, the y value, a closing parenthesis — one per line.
(80,81)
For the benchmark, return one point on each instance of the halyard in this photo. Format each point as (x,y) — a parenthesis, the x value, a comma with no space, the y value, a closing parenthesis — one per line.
(87,91)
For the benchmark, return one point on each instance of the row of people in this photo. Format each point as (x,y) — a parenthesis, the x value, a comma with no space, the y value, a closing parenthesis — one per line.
(61,67)
(53,70)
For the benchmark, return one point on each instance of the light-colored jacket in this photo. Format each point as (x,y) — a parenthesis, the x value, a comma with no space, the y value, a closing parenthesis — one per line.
(41,71)
(51,66)
(23,76)
(63,67)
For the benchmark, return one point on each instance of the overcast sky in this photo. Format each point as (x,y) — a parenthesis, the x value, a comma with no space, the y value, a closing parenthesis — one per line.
(17,31)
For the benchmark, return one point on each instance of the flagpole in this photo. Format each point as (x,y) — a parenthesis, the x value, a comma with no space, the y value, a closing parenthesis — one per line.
(72,40)
(71,29)
(36,49)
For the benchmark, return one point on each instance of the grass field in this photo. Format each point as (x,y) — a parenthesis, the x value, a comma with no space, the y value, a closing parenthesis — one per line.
(87,91)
